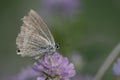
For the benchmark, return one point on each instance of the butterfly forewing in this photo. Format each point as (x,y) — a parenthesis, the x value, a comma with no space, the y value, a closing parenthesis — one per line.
(43,26)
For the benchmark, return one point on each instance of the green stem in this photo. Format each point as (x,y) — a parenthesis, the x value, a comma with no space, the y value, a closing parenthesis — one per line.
(107,63)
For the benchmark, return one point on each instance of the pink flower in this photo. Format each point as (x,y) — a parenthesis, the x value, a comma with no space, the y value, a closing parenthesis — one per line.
(54,67)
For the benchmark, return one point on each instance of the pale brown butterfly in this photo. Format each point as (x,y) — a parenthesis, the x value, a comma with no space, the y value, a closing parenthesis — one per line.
(34,39)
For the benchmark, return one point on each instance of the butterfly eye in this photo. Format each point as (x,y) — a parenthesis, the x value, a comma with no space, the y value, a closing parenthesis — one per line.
(57,46)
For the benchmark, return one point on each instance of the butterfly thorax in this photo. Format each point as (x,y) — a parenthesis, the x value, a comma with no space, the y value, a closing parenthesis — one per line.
(51,49)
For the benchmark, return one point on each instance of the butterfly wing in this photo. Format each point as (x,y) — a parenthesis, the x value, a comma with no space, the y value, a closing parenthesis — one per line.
(43,27)
(33,38)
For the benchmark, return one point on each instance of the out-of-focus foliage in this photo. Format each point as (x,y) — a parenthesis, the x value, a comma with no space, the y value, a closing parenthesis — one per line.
(92,31)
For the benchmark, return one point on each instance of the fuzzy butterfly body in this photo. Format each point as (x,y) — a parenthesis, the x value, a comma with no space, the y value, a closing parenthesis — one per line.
(34,39)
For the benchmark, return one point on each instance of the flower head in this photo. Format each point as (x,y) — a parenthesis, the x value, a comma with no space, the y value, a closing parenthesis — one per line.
(116,68)
(54,67)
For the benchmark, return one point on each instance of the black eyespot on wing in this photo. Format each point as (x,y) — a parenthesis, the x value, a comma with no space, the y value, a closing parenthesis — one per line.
(57,46)
(18,50)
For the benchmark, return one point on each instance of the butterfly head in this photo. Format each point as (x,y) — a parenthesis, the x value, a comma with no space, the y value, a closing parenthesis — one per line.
(57,46)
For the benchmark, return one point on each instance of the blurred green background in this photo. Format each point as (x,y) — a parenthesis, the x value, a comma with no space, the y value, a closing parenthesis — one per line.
(93,31)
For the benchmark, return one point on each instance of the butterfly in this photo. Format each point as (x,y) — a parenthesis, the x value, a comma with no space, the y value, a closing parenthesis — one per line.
(34,39)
